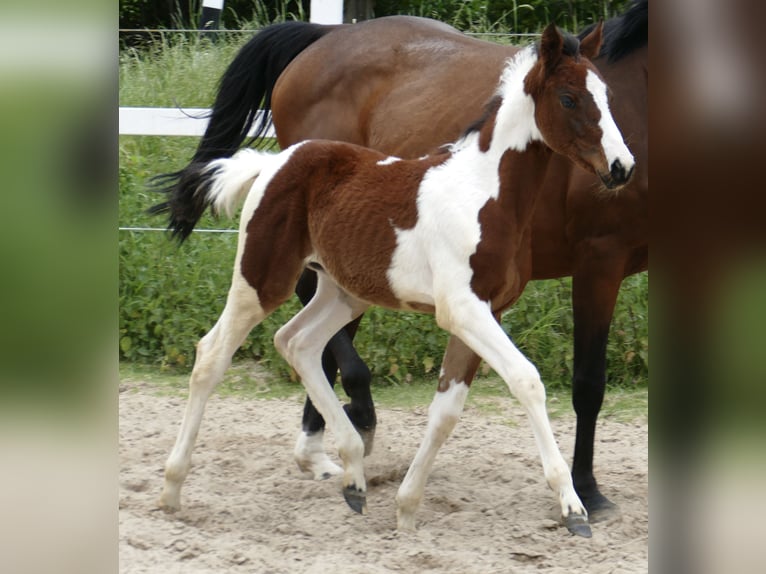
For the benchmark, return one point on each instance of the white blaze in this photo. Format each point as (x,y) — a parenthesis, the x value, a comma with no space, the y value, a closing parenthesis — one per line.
(611,139)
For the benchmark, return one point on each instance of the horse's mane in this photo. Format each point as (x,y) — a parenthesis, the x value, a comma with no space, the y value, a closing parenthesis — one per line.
(624,33)
(490,109)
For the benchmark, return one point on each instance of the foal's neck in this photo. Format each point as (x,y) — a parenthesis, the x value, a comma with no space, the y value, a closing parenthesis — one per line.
(507,146)
(514,126)
(509,121)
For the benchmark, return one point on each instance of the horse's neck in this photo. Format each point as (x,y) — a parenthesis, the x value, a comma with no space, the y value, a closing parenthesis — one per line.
(521,177)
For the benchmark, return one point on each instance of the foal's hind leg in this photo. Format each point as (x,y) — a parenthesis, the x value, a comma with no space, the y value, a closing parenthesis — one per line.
(301,342)
(355,376)
(214,351)
(471,320)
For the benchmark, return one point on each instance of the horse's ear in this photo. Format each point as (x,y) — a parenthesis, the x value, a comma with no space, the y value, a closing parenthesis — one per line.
(590,46)
(551,45)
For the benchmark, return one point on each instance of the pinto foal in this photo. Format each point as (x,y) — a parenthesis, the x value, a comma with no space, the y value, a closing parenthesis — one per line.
(445,234)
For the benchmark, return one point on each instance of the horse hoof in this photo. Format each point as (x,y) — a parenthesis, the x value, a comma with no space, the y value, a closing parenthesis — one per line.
(356,499)
(170,500)
(167,508)
(368,438)
(600,508)
(578,525)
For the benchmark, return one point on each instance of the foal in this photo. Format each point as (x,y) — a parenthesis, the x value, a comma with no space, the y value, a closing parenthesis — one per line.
(444,234)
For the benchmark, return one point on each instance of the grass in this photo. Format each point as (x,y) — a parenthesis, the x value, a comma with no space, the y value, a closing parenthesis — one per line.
(489,395)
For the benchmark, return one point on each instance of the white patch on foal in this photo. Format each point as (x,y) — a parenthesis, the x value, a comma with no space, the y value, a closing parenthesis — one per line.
(389,160)
(452,194)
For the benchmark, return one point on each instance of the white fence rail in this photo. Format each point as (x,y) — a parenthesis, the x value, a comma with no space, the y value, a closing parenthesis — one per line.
(171,122)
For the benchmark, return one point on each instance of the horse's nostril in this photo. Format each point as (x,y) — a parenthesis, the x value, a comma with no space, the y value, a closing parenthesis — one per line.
(619,173)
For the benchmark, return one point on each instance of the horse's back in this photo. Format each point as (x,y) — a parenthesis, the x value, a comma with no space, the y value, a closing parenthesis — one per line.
(373,84)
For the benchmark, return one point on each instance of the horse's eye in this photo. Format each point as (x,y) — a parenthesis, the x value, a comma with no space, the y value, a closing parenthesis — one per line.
(567,102)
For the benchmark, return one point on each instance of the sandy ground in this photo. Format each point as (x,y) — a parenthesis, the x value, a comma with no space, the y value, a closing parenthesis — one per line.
(247,507)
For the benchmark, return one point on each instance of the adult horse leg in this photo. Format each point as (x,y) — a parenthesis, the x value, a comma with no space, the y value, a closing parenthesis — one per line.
(301,342)
(355,376)
(595,285)
(470,320)
(214,352)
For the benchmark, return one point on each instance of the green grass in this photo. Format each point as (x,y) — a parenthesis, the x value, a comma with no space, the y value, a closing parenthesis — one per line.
(489,395)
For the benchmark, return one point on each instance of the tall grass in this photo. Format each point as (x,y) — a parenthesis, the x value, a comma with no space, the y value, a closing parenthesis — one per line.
(170,296)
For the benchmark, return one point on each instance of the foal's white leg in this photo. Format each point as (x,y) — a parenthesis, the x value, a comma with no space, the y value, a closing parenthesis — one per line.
(443,414)
(214,351)
(472,321)
(301,342)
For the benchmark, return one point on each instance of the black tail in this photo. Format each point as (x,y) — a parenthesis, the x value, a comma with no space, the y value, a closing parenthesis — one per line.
(245,87)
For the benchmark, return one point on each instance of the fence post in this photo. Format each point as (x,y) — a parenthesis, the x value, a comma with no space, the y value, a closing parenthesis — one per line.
(211,14)
(326,11)
(358,10)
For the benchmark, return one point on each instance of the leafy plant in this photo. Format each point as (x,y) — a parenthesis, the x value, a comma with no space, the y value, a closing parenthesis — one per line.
(169,296)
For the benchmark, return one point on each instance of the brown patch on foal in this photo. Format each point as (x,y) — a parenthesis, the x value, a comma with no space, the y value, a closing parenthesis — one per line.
(312,207)
(506,230)
(272,259)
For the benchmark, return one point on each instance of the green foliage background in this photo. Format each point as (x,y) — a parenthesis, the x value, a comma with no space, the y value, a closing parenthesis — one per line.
(170,296)
(505,15)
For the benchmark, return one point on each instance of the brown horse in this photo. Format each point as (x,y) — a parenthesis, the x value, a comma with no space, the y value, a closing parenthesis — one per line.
(447,234)
(405,86)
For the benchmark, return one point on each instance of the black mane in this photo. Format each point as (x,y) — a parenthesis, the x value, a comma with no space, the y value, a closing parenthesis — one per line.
(571,46)
(490,109)
(625,33)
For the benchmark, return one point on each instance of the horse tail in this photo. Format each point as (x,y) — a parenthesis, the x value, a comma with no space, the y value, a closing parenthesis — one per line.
(230,178)
(223,183)
(246,85)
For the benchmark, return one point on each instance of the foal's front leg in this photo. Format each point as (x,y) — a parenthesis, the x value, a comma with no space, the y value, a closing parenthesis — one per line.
(458,368)
(471,320)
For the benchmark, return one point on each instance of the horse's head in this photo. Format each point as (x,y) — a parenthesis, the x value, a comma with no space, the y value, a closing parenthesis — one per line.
(571,106)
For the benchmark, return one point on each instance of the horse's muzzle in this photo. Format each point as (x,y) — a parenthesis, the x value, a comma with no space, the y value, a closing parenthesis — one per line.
(617,176)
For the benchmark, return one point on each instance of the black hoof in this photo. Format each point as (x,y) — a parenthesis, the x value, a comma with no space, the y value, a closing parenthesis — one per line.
(578,525)
(368,438)
(599,507)
(356,499)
